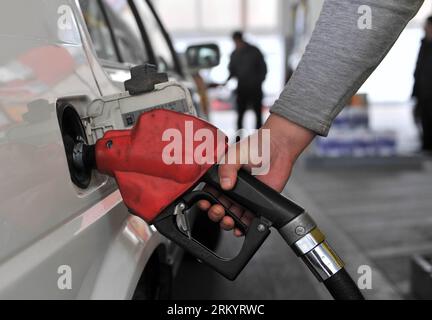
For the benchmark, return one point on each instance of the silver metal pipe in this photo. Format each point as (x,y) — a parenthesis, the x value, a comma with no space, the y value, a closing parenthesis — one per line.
(323,261)
(312,248)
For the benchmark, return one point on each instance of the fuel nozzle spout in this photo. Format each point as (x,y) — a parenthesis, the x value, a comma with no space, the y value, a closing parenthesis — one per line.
(84,156)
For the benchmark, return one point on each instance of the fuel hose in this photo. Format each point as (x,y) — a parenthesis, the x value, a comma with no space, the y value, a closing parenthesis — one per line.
(309,243)
(342,287)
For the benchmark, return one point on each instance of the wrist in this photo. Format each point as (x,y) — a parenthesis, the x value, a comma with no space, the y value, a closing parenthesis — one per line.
(288,136)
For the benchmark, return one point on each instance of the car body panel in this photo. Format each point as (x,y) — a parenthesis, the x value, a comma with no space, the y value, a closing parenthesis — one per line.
(46,223)
(106,254)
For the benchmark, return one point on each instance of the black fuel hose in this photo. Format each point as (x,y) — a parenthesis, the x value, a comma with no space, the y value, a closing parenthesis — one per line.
(342,287)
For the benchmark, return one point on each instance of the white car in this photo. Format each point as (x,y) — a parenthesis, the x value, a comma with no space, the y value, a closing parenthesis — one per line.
(64,235)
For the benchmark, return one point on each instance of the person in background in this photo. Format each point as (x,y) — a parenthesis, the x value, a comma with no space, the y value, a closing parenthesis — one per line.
(248,66)
(423,88)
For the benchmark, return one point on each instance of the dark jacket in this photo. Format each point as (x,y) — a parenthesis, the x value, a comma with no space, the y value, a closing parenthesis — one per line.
(423,74)
(248,66)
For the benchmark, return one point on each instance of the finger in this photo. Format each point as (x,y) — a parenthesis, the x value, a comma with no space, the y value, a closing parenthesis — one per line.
(216,213)
(238,233)
(204,205)
(237,155)
(228,175)
(227,223)
(228,171)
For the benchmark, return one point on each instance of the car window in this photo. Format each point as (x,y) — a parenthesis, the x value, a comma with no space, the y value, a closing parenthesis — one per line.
(161,48)
(99,30)
(127,33)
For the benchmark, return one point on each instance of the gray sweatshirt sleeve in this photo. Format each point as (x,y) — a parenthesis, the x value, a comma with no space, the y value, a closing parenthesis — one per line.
(339,59)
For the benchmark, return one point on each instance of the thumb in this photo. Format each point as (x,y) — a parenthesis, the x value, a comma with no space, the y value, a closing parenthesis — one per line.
(228,175)
(228,170)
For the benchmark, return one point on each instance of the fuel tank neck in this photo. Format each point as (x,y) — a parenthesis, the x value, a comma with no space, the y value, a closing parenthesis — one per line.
(79,155)
(84,157)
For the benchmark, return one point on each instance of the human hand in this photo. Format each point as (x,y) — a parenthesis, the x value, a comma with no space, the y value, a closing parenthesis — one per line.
(287,141)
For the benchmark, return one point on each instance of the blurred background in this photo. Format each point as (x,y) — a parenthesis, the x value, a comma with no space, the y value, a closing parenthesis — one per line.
(369,182)
(281,29)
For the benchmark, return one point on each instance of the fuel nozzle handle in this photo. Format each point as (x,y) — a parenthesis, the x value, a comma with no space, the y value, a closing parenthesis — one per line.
(296,227)
(257,197)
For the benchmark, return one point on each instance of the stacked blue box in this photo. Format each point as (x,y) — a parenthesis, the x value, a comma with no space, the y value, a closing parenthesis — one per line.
(351,137)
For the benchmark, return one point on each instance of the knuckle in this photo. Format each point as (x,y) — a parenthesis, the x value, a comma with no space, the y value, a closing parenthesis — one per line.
(217,211)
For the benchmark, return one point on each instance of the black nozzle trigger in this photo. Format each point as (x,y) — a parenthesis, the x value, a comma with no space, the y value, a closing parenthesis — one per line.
(194,197)
(270,209)
(257,232)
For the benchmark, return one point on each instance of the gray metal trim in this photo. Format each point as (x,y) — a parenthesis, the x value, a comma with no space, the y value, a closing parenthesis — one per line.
(297,228)
(308,242)
(323,262)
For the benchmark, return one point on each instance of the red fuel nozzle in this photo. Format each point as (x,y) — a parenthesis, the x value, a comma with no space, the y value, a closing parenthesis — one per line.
(152,162)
